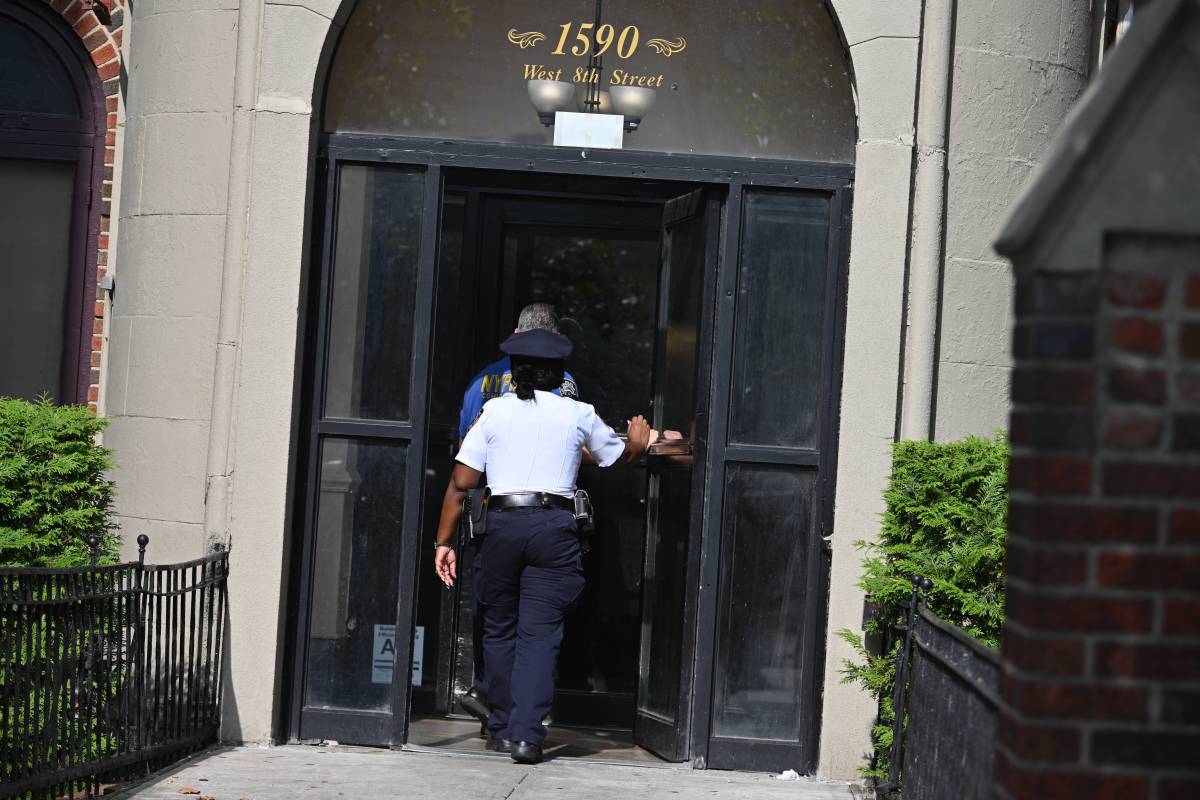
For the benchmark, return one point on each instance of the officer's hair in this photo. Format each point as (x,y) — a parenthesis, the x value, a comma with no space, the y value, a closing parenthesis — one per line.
(530,374)
(538,316)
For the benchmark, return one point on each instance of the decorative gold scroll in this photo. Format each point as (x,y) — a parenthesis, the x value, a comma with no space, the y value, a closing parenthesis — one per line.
(668,47)
(527,39)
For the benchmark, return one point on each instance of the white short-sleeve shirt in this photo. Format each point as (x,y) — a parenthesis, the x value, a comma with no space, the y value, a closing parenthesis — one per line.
(536,445)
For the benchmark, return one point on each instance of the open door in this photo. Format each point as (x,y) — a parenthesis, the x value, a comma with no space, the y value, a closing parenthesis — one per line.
(674,512)
(365,449)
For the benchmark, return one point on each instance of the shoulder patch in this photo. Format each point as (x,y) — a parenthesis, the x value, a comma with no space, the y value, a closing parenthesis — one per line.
(569,389)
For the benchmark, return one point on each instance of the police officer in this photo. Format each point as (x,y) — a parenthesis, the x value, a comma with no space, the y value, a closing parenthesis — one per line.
(492,381)
(528,572)
(496,378)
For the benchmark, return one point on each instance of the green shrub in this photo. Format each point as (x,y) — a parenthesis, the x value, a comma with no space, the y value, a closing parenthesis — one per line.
(946,519)
(53,489)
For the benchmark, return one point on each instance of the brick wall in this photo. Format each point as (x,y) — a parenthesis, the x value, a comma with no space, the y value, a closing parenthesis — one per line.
(1101,688)
(103,42)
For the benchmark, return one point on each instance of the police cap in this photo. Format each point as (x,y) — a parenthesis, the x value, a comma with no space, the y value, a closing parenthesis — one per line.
(537,343)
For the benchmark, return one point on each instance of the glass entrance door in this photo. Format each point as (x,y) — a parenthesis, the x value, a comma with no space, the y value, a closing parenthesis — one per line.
(775,379)
(711,298)
(674,518)
(365,446)
(597,262)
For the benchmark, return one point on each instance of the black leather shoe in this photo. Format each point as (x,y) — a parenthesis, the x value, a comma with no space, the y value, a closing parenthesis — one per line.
(500,745)
(475,703)
(526,753)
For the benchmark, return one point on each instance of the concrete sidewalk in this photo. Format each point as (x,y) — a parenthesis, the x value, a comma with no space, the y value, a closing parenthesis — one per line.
(297,771)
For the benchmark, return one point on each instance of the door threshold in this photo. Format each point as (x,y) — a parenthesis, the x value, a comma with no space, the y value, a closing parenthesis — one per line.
(550,759)
(587,745)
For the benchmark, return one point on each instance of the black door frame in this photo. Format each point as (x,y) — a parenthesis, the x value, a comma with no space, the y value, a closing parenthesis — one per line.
(732,174)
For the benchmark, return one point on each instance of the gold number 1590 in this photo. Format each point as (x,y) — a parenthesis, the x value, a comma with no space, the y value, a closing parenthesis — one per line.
(627,42)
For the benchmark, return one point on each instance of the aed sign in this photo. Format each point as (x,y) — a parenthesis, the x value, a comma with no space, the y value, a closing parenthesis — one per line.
(575,40)
(383,655)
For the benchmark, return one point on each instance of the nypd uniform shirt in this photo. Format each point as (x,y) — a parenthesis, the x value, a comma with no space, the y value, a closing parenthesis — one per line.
(536,445)
(493,381)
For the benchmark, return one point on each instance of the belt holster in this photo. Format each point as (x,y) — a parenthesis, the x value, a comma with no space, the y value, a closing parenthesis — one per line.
(584,519)
(475,508)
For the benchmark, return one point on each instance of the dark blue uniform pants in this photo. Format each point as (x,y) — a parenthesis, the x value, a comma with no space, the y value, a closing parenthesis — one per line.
(528,575)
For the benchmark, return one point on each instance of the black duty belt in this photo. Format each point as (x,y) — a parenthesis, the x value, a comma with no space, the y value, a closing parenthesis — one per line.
(501,502)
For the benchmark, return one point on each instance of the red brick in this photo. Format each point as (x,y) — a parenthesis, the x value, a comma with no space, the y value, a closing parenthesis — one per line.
(1189,340)
(1185,432)
(72,14)
(97,342)
(1038,742)
(95,39)
(1046,567)
(1136,748)
(1129,385)
(1177,789)
(1182,617)
(1080,612)
(1193,290)
(95,360)
(1132,430)
(1077,702)
(61,5)
(1159,661)
(1050,475)
(1150,479)
(104,54)
(1080,523)
(1138,336)
(111,104)
(109,70)
(119,36)
(1141,570)
(1041,784)
(1058,294)
(98,326)
(86,24)
(1185,526)
(1060,430)
(1132,290)
(1180,706)
(110,138)
(1187,386)
(93,394)
(1057,386)
(111,121)
(98,309)
(1053,341)
(1044,655)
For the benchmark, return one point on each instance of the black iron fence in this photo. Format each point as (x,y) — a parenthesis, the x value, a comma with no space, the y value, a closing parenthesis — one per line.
(106,671)
(947,686)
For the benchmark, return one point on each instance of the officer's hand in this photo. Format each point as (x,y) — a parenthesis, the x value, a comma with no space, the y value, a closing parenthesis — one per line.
(639,432)
(445,564)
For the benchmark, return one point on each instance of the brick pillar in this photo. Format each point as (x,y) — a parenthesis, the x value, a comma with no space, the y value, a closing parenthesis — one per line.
(1101,687)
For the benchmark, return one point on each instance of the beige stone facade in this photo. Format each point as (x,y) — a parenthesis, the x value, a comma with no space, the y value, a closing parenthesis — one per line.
(203,375)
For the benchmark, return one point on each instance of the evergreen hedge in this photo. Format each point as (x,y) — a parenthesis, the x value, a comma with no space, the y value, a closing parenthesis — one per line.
(946,519)
(54,493)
